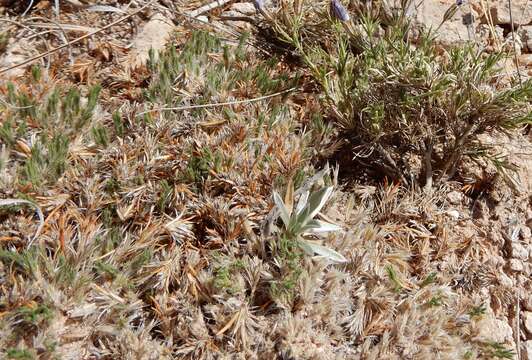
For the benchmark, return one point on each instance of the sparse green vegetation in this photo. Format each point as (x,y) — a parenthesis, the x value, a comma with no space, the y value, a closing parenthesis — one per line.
(288,222)
(19,354)
(477,311)
(498,351)
(392,100)
(35,314)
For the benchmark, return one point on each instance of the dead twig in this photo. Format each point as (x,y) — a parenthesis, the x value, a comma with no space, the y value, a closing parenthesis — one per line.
(63,33)
(35,34)
(516,59)
(203,106)
(208,7)
(428,166)
(51,51)
(56,8)
(517,328)
(28,8)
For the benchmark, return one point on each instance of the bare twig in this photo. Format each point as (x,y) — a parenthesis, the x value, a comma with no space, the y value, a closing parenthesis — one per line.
(450,165)
(62,31)
(428,166)
(28,8)
(208,7)
(33,31)
(237,18)
(392,163)
(203,106)
(517,328)
(8,105)
(40,56)
(64,27)
(516,59)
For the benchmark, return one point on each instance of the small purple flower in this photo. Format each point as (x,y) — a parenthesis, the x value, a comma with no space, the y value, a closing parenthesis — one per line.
(339,11)
(259,5)
(459,2)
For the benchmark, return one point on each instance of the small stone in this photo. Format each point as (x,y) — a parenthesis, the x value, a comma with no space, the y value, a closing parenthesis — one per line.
(519,251)
(505,280)
(527,353)
(525,231)
(525,61)
(154,36)
(463,319)
(226,15)
(481,211)
(496,261)
(516,265)
(526,35)
(455,197)
(510,46)
(486,35)
(527,302)
(527,321)
(521,13)
(429,15)
(453,214)
(489,329)
(245,8)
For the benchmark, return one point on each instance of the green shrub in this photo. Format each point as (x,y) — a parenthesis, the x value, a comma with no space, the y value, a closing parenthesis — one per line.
(410,109)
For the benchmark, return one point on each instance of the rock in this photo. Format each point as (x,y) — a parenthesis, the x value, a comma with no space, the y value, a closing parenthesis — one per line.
(481,212)
(519,251)
(521,13)
(527,301)
(466,229)
(527,321)
(430,15)
(528,269)
(454,214)
(455,197)
(486,35)
(524,231)
(154,35)
(15,53)
(236,23)
(505,280)
(526,36)
(489,329)
(527,351)
(509,44)
(245,8)
(496,261)
(516,265)
(72,351)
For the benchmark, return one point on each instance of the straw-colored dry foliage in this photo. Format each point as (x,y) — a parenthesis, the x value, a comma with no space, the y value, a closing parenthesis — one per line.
(229,231)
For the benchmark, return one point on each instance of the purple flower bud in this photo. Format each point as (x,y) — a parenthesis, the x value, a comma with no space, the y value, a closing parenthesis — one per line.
(339,11)
(259,5)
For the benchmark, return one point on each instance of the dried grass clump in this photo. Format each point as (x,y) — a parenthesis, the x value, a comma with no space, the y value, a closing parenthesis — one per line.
(162,239)
(413,111)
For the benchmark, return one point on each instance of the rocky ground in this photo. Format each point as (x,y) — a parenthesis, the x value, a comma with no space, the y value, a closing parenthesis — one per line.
(485,259)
